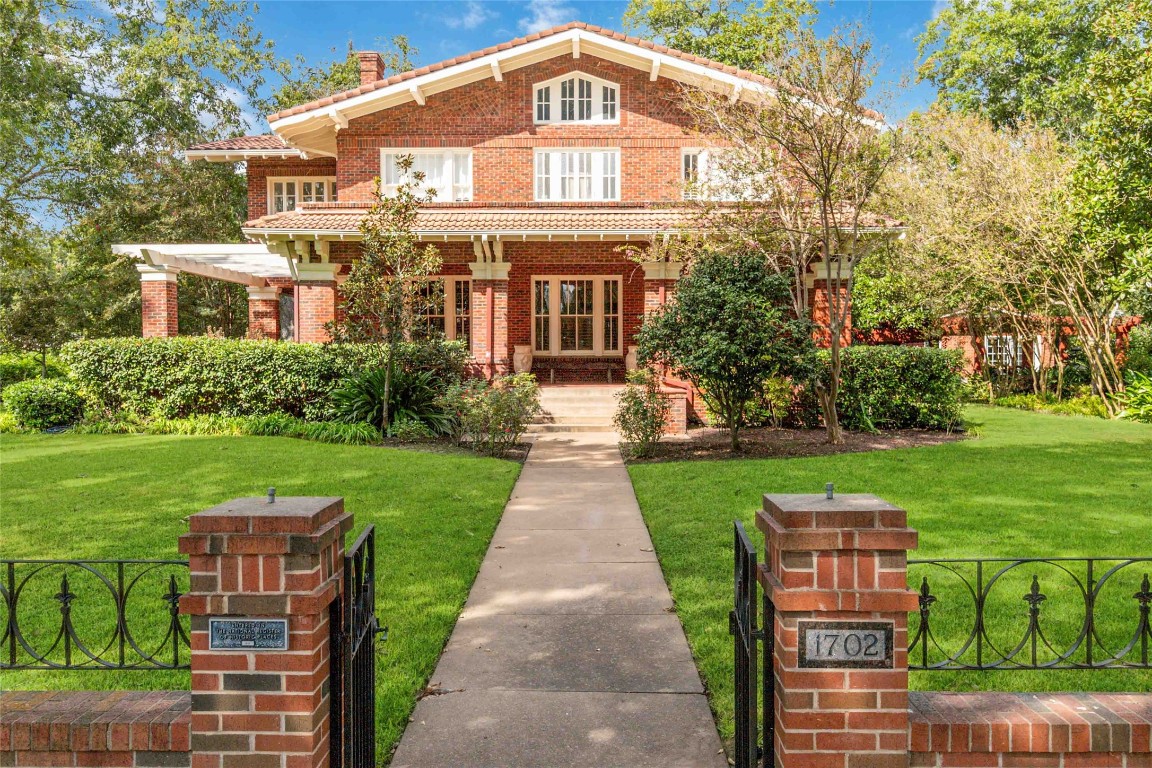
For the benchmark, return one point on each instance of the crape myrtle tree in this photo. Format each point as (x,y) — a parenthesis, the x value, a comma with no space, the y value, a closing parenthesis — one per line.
(728,329)
(389,287)
(794,173)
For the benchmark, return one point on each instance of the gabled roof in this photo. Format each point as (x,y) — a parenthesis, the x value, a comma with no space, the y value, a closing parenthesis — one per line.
(312,127)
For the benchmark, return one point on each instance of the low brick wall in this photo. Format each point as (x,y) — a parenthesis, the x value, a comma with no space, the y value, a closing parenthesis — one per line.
(1048,730)
(95,728)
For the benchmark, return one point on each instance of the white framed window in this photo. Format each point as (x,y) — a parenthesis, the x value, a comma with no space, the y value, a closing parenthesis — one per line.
(448,308)
(286,192)
(577,174)
(576,98)
(577,315)
(702,178)
(1002,351)
(447,172)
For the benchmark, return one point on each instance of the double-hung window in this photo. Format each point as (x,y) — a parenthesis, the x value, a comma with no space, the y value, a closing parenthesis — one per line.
(447,308)
(704,177)
(286,192)
(1002,351)
(576,315)
(447,172)
(577,174)
(576,98)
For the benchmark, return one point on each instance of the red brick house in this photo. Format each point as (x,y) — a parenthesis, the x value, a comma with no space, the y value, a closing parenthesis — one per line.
(547,154)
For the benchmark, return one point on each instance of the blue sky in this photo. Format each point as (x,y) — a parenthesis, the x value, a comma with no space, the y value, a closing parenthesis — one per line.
(440,29)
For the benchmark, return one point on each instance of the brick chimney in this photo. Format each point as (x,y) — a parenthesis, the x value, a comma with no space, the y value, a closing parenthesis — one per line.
(371,67)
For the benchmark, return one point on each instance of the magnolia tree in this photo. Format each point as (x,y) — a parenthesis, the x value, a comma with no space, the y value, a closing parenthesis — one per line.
(794,174)
(389,288)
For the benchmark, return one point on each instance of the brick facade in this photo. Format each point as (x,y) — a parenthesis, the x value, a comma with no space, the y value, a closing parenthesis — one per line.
(252,558)
(95,728)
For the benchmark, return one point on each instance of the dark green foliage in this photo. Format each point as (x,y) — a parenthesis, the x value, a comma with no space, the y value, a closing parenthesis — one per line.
(44,403)
(900,388)
(728,330)
(14,368)
(413,397)
(1138,355)
(233,377)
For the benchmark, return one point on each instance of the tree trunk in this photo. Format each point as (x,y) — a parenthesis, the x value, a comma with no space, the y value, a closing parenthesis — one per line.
(388,368)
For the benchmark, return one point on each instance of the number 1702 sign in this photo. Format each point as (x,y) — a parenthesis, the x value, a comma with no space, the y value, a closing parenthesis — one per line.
(845,644)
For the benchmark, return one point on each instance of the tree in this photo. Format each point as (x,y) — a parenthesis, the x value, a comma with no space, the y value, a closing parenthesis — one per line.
(389,286)
(743,33)
(795,173)
(728,329)
(36,305)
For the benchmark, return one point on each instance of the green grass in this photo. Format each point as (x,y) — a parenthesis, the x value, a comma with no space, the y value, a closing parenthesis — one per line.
(93,497)
(1030,485)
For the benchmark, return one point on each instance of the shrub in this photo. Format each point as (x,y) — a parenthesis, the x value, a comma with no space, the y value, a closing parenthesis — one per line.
(492,417)
(894,387)
(642,412)
(271,425)
(414,397)
(1083,405)
(186,376)
(19,367)
(1138,355)
(44,403)
(1137,398)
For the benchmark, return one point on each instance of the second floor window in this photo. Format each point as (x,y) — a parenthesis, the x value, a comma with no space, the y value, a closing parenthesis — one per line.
(447,172)
(285,193)
(576,98)
(577,174)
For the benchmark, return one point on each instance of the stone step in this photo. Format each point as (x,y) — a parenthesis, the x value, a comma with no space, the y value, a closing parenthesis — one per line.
(537,429)
(574,418)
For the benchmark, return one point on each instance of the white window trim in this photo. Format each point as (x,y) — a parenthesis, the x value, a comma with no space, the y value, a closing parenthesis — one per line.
(699,190)
(554,174)
(452,285)
(554,100)
(271,181)
(454,154)
(597,316)
(1010,347)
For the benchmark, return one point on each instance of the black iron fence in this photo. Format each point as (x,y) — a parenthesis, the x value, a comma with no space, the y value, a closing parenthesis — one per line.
(93,614)
(746,637)
(1031,613)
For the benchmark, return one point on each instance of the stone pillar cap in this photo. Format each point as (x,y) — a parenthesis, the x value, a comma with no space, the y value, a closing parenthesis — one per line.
(254,514)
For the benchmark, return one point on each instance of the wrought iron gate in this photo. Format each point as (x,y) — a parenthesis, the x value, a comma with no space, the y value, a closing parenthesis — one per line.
(746,636)
(353,662)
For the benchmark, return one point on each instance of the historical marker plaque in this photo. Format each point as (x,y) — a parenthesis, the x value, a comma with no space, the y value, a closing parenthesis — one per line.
(845,644)
(247,634)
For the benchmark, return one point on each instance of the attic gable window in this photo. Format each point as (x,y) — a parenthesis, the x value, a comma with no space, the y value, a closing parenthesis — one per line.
(576,98)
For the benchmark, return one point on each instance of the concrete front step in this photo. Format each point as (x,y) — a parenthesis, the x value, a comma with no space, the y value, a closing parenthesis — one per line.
(536,429)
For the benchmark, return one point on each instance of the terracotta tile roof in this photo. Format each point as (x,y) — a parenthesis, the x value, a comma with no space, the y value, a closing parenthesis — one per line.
(263,141)
(647,44)
(481,220)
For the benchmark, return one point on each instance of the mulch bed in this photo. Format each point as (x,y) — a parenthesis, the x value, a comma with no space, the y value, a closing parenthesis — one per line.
(709,444)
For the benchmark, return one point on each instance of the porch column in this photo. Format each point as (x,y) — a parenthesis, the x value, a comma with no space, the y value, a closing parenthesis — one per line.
(158,300)
(263,312)
(659,280)
(315,300)
(490,316)
(820,309)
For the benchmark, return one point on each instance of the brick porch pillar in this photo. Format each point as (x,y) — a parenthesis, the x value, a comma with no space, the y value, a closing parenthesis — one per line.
(159,302)
(253,559)
(263,312)
(832,564)
(316,299)
(819,305)
(659,281)
(490,316)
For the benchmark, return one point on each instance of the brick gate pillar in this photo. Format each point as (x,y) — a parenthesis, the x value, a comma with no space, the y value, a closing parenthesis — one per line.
(837,569)
(159,300)
(255,560)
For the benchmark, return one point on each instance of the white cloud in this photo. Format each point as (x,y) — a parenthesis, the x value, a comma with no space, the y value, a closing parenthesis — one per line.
(474,15)
(543,14)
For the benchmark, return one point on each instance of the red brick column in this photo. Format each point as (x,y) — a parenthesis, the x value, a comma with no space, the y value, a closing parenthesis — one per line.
(820,308)
(253,559)
(490,316)
(159,300)
(843,560)
(660,279)
(263,313)
(316,299)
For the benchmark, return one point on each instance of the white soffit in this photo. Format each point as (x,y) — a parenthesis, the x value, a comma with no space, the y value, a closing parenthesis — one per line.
(243,263)
(315,130)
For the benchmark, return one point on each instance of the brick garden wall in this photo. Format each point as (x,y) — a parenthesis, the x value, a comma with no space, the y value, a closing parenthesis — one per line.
(95,728)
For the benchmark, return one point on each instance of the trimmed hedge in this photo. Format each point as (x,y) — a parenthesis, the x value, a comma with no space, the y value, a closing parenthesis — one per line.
(186,376)
(891,387)
(44,403)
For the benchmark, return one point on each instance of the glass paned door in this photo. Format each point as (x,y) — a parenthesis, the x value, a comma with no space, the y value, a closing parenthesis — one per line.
(577,317)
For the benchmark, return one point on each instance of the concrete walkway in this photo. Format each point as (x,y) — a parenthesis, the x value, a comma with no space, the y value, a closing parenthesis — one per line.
(567,652)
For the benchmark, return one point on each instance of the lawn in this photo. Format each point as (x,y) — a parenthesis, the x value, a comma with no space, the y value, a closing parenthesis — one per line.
(94,497)
(1029,485)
